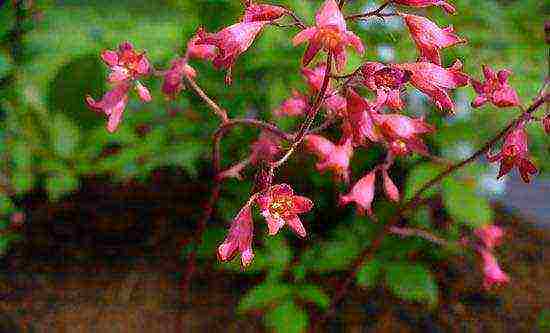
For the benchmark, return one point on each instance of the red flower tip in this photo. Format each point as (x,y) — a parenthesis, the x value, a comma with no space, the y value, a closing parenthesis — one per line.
(331,157)
(546,123)
(239,238)
(515,152)
(429,38)
(387,82)
(330,34)
(262,12)
(292,106)
(435,81)
(143,92)
(358,123)
(495,89)
(279,206)
(402,133)
(362,193)
(334,102)
(493,274)
(195,51)
(230,42)
(490,235)
(450,9)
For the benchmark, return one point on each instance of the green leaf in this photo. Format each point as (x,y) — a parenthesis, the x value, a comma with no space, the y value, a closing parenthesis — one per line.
(64,136)
(5,64)
(263,295)
(368,273)
(465,205)
(411,282)
(60,184)
(22,180)
(313,294)
(419,176)
(287,318)
(6,205)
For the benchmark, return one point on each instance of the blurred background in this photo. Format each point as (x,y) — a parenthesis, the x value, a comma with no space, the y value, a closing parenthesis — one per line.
(95,228)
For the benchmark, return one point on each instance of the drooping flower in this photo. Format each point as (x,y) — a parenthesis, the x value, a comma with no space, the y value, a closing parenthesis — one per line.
(172,84)
(386,81)
(490,235)
(495,89)
(279,205)
(230,42)
(429,38)
(435,81)
(335,158)
(330,34)
(256,12)
(401,133)
(295,105)
(493,274)
(546,123)
(427,3)
(197,51)
(239,238)
(127,66)
(266,148)
(515,152)
(334,102)
(112,104)
(391,191)
(358,121)
(362,193)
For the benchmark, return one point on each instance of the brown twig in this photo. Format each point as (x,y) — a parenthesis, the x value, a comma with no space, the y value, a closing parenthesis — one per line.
(377,12)
(369,251)
(220,113)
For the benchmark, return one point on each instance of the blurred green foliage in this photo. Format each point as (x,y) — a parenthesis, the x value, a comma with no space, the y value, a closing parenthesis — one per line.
(49,139)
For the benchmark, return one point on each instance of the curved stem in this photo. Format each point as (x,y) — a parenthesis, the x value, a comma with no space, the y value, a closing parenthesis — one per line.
(221,113)
(369,251)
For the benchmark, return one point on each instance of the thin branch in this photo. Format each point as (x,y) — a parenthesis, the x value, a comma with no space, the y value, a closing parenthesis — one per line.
(221,113)
(377,12)
(369,251)
(424,234)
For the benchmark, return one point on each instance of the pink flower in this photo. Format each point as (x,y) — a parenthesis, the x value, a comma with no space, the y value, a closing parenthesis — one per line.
(262,12)
(490,235)
(112,104)
(495,89)
(515,152)
(143,92)
(239,238)
(546,123)
(330,34)
(334,102)
(292,106)
(493,275)
(172,84)
(196,51)
(427,3)
(391,191)
(362,193)
(386,81)
(331,157)
(430,38)
(266,148)
(279,206)
(401,133)
(230,42)
(435,81)
(125,63)
(358,123)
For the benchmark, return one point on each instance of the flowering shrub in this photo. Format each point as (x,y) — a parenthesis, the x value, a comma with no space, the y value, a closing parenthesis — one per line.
(349,108)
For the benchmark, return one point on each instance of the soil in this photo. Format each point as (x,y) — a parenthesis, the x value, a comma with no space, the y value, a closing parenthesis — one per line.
(106,260)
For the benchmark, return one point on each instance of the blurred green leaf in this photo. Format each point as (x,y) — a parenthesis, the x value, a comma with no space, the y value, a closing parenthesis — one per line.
(64,136)
(22,180)
(313,294)
(466,206)
(418,177)
(263,295)
(60,184)
(287,318)
(5,64)
(6,205)
(543,322)
(369,273)
(411,282)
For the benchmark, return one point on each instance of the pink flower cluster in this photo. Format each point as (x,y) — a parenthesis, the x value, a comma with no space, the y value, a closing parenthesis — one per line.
(491,237)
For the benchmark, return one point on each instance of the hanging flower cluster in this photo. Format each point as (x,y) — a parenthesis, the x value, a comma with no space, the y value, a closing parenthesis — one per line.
(358,122)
